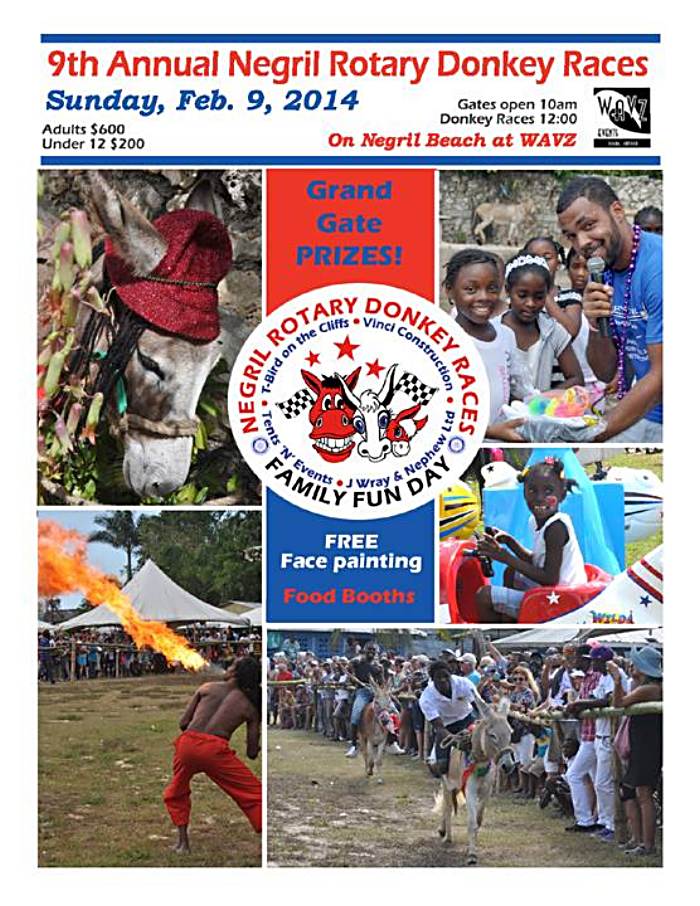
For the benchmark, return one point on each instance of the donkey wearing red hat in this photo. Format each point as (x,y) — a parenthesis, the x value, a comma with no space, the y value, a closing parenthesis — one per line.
(163,333)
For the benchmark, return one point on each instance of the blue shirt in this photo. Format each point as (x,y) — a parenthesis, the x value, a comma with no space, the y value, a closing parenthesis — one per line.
(646,308)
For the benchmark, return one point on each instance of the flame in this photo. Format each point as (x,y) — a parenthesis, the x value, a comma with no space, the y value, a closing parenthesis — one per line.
(63,567)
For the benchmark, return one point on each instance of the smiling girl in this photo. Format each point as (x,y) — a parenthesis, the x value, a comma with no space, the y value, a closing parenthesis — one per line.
(555,558)
(541,342)
(473,281)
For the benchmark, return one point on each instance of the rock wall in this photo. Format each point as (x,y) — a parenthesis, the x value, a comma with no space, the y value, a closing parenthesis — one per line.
(461,192)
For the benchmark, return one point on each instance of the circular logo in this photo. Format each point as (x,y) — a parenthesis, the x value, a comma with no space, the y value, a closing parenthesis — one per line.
(358,401)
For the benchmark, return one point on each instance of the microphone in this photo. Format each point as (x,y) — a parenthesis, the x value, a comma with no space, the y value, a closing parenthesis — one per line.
(596,269)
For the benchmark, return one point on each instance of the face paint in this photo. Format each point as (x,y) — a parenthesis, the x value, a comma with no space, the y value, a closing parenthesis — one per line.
(551,500)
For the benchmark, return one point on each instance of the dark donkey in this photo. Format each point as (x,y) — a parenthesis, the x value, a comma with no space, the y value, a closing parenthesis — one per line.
(163,332)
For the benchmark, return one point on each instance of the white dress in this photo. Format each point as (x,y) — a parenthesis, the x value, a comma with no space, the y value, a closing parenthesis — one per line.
(573,570)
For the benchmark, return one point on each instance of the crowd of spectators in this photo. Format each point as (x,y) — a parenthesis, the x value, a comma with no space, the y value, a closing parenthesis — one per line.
(567,764)
(110,653)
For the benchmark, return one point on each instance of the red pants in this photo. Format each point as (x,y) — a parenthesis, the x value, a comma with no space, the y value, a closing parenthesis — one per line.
(197,753)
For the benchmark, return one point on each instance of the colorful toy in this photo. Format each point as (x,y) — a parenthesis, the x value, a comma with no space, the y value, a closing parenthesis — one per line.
(569,403)
(461,575)
(635,596)
(459,511)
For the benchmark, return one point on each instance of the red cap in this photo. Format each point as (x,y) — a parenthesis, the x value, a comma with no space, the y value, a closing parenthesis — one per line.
(179,296)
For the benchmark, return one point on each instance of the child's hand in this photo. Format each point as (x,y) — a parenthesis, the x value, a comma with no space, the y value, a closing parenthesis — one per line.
(501,536)
(506,430)
(489,547)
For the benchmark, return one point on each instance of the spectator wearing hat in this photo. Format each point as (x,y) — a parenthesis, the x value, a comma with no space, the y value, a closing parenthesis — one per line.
(582,768)
(604,779)
(645,737)
(468,662)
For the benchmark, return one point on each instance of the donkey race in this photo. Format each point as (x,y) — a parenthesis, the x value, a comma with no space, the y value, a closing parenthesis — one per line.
(464,749)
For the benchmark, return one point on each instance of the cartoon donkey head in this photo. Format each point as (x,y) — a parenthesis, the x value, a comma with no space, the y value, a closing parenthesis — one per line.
(372,416)
(331,415)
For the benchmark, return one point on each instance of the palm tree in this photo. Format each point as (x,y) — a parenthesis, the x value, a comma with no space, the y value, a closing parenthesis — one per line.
(119,530)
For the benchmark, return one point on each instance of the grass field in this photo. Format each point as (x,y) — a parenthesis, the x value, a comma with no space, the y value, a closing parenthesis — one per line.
(654,463)
(322,810)
(105,757)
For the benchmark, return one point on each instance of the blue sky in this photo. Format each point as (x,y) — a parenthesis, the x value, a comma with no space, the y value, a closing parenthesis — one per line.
(102,556)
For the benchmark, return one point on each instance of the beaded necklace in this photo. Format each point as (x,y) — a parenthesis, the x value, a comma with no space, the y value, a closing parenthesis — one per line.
(620,328)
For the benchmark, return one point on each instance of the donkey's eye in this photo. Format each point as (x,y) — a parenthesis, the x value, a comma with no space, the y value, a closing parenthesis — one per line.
(359,424)
(150,364)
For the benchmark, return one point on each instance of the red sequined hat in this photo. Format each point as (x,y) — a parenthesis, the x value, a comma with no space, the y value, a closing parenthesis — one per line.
(179,296)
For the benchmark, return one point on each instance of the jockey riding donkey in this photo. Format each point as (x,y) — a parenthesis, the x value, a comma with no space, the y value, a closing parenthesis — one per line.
(467,753)
(368,677)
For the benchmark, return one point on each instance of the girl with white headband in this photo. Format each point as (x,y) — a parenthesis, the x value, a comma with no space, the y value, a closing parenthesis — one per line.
(541,341)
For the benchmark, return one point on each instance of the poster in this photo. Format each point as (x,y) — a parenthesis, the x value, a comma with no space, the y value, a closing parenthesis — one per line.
(314,386)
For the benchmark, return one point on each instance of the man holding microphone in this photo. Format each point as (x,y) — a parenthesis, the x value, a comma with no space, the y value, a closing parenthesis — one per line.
(623,302)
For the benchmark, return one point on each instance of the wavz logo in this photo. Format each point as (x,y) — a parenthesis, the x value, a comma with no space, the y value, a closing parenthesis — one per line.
(623,116)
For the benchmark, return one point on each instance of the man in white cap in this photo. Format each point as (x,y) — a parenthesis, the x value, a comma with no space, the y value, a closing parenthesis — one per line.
(468,662)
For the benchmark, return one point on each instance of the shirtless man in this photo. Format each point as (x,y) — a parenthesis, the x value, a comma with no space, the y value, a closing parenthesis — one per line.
(214,713)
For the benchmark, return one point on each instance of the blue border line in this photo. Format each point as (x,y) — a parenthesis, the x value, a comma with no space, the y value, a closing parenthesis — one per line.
(385,161)
(352,39)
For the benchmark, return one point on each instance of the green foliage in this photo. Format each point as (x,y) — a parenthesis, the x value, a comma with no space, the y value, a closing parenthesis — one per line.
(213,555)
(119,530)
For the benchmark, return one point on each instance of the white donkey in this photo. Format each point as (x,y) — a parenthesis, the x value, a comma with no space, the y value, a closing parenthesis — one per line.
(490,750)
(372,417)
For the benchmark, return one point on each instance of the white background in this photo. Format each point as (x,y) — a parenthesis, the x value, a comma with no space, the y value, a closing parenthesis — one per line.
(387,105)
(21,27)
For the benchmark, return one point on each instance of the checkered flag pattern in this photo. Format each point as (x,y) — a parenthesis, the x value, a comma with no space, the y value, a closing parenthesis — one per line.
(296,404)
(415,388)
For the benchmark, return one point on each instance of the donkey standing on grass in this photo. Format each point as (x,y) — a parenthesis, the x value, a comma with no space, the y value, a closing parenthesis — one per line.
(474,773)
(162,332)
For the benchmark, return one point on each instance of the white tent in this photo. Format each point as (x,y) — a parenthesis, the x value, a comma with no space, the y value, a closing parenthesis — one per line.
(240,608)
(156,597)
(536,637)
(253,616)
(44,625)
(529,638)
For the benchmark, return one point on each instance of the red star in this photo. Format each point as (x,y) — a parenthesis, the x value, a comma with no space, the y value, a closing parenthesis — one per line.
(374,368)
(312,359)
(346,348)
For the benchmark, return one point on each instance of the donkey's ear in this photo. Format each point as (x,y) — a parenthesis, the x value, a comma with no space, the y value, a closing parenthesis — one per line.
(503,706)
(204,197)
(483,708)
(388,387)
(311,381)
(136,240)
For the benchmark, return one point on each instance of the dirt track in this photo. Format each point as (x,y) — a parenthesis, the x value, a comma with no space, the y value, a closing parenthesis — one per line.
(322,810)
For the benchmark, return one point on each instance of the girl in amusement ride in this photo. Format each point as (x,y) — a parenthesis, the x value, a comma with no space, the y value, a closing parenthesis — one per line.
(542,342)
(473,281)
(555,558)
